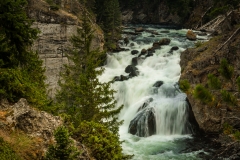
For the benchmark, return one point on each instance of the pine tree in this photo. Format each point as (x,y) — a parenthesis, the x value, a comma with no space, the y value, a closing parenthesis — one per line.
(15,32)
(63,149)
(109,17)
(82,95)
(21,74)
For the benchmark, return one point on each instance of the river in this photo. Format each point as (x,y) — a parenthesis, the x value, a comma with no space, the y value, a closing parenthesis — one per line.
(155,86)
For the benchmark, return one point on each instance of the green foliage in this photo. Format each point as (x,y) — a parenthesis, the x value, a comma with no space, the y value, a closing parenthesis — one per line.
(82,95)
(103,143)
(109,18)
(214,82)
(184,85)
(63,149)
(228,98)
(237,135)
(21,74)
(227,129)
(16,33)
(226,70)
(238,83)
(6,153)
(198,44)
(202,94)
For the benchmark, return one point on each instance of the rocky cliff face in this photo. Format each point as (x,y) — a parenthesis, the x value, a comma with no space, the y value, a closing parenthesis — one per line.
(56,28)
(158,14)
(197,63)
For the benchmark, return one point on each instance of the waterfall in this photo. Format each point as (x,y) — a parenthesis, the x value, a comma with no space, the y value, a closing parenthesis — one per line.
(146,76)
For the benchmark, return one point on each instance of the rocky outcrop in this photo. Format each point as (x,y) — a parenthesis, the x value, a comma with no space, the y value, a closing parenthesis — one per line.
(56,28)
(196,64)
(37,127)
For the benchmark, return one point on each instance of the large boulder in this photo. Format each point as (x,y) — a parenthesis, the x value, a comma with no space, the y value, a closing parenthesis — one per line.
(31,121)
(191,35)
(144,124)
(164,41)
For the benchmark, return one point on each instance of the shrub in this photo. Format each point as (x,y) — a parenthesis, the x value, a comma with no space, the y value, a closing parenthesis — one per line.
(214,82)
(237,135)
(227,129)
(198,44)
(184,85)
(202,94)
(228,98)
(6,152)
(226,70)
(63,149)
(103,143)
(238,83)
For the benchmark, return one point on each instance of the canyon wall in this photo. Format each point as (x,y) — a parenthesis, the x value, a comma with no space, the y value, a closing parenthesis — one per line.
(56,28)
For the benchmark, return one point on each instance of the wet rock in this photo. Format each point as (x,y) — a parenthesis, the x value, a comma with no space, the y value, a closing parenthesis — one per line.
(143,52)
(158,84)
(164,41)
(134,73)
(116,78)
(149,54)
(130,68)
(131,44)
(135,61)
(133,52)
(139,29)
(145,104)
(126,40)
(191,35)
(165,31)
(144,124)
(174,48)
(123,78)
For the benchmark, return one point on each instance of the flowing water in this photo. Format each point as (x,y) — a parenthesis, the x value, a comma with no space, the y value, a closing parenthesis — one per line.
(164,136)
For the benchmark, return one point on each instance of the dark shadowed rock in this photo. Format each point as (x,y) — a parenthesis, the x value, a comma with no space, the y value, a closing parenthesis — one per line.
(133,52)
(174,48)
(143,52)
(135,61)
(126,40)
(164,31)
(144,124)
(134,73)
(164,41)
(149,54)
(131,44)
(158,84)
(123,78)
(130,68)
